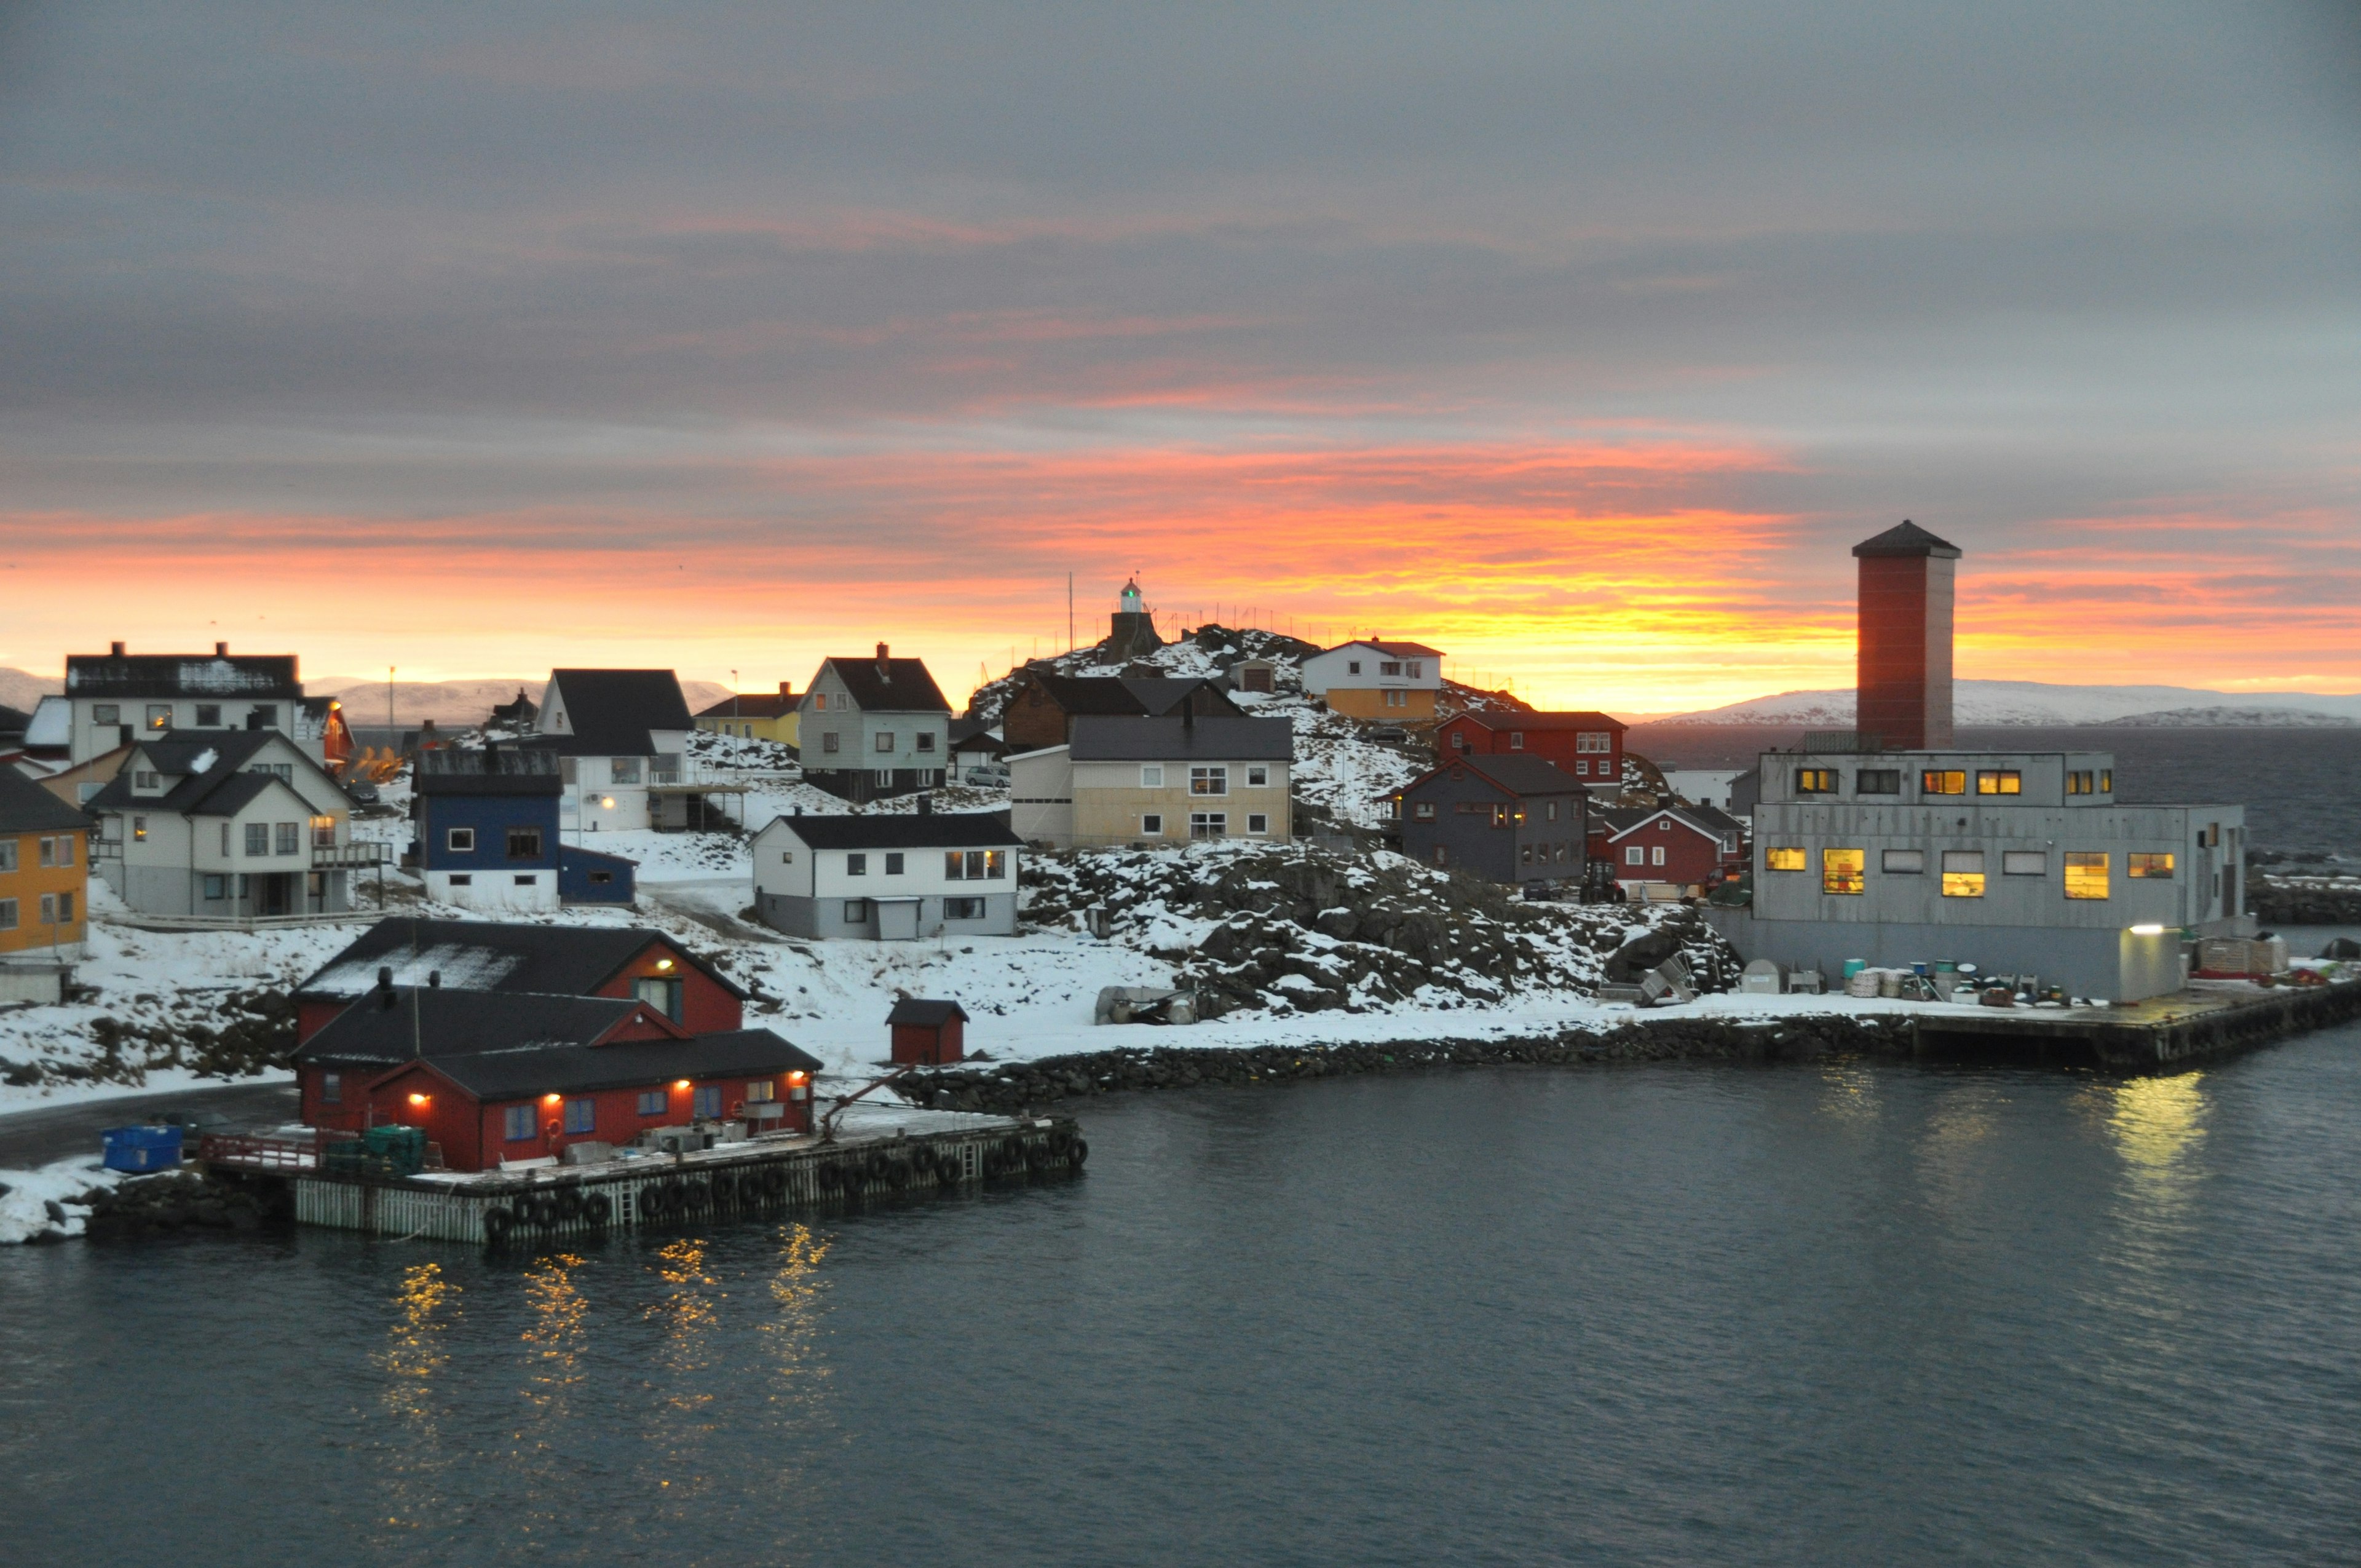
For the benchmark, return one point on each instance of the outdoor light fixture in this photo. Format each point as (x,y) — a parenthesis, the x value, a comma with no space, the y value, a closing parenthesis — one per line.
(549,1100)
(664,963)
(418,1100)
(2147,930)
(607,802)
(682,1084)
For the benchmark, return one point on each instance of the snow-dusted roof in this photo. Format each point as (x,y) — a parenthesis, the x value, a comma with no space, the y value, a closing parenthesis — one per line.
(138,676)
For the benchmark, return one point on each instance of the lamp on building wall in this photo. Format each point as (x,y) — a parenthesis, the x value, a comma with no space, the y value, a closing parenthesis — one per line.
(418,1100)
(2147,930)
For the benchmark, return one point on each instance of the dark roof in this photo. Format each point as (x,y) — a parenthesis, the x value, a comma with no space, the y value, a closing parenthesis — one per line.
(929,1014)
(1090,694)
(582,1069)
(1516,775)
(1702,819)
(1906,538)
(494,955)
(1712,816)
(27,808)
(1216,737)
(1162,694)
(752,705)
(964,731)
(904,830)
(1540,721)
(506,770)
(426,1021)
(611,712)
(229,676)
(521,710)
(223,787)
(890,686)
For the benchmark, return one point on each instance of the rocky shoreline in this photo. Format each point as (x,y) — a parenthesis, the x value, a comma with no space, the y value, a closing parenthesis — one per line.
(2305,901)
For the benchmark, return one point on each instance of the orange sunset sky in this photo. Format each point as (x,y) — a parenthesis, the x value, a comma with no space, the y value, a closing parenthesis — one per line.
(1579,344)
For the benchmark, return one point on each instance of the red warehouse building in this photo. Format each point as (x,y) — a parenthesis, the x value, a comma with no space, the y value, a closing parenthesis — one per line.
(628,962)
(1588,746)
(492,1076)
(1687,844)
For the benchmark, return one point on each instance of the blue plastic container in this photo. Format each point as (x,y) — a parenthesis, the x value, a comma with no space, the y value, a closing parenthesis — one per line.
(142,1148)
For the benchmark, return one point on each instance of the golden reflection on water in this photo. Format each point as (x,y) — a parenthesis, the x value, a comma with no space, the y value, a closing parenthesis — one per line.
(412,1363)
(1849,1092)
(792,1335)
(555,1331)
(2157,1125)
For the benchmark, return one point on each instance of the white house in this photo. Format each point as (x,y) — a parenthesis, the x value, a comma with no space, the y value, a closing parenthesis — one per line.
(1377,680)
(118,697)
(233,825)
(621,736)
(1134,780)
(893,877)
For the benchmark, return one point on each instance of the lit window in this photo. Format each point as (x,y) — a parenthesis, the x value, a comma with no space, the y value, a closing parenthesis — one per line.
(1963,873)
(139,829)
(1214,780)
(2000,781)
(995,865)
(323,832)
(2079,781)
(760,1093)
(1936,781)
(2106,781)
(1209,824)
(624,770)
(1902,863)
(2143,865)
(1784,860)
(1815,781)
(2025,862)
(1844,871)
(2086,873)
(581,1116)
(159,715)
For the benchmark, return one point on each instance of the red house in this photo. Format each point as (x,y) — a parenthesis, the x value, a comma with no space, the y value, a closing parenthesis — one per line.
(929,1034)
(1589,746)
(548,960)
(1684,844)
(510,1076)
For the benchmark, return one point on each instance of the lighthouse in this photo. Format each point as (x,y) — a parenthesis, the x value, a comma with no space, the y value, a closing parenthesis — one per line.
(1134,631)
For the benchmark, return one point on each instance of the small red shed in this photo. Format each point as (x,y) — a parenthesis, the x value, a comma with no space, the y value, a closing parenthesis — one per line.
(927,1034)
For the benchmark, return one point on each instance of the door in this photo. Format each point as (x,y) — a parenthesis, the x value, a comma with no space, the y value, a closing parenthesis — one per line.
(274,899)
(897,919)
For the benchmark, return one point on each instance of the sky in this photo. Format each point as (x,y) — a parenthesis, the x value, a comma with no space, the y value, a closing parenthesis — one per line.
(1578,341)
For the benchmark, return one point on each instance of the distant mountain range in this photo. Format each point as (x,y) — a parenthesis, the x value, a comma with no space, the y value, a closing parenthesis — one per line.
(444,702)
(1989,704)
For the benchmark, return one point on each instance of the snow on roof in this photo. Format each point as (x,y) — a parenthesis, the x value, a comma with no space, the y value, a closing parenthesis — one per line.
(463,966)
(52,723)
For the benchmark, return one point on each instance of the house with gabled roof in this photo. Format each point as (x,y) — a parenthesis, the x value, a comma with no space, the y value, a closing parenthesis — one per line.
(1588,746)
(621,736)
(228,825)
(486,834)
(1505,818)
(891,876)
(871,729)
(1149,782)
(1386,681)
(44,870)
(118,697)
(1681,846)
(1042,710)
(755,716)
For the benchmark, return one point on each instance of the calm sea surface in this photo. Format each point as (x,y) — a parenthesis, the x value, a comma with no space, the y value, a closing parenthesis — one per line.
(1840,1314)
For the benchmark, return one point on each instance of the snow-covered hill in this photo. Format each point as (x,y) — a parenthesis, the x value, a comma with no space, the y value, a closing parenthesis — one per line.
(1995,703)
(20,689)
(457,702)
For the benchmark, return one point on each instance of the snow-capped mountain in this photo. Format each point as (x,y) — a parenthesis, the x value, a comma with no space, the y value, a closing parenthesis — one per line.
(1979,704)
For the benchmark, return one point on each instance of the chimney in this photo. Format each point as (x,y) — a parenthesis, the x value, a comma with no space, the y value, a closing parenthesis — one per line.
(221,650)
(115,649)
(1904,673)
(783,691)
(884,669)
(434,980)
(926,806)
(385,977)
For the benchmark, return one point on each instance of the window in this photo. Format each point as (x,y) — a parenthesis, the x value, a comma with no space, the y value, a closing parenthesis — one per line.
(49,909)
(2106,781)
(661,992)
(1582,768)
(1441,855)
(1655,854)
(1963,873)
(7,914)
(139,830)
(2025,862)
(1151,825)
(760,1093)
(1516,739)
(1258,823)
(1635,856)
(655,1103)
(1352,666)
(1390,666)
(290,837)
(1501,816)
(1902,863)
(1815,781)
(856,912)
(666,767)
(1214,780)
(1525,854)
(926,738)
(1423,811)
(1416,669)
(159,715)
(624,770)
(567,772)
(995,864)
(1151,776)
(705,1101)
(1844,871)
(208,716)
(525,843)
(1999,781)
(1459,740)
(1594,741)
(516,1123)
(106,713)
(262,716)
(1397,698)
(1784,860)
(1209,824)
(216,888)
(601,878)
(828,743)
(581,1116)
(856,865)
(819,702)
(528,878)
(7,854)
(2141,865)
(954,865)
(1549,812)
(258,838)
(884,739)
(2079,780)
(46,853)
(142,778)
(1937,781)
(963,909)
(1877,781)
(1257,777)
(332,1088)
(787,857)
(224,837)
(462,879)
(2086,873)
(323,832)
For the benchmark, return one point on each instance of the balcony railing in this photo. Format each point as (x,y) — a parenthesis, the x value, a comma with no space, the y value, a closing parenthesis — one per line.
(359,855)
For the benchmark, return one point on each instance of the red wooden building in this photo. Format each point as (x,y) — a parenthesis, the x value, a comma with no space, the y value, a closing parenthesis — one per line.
(548,960)
(494,1076)
(930,1034)
(1589,746)
(1688,845)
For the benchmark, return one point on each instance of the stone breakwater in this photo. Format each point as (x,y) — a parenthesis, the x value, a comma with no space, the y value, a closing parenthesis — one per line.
(181,1200)
(2305,900)
(1016,1087)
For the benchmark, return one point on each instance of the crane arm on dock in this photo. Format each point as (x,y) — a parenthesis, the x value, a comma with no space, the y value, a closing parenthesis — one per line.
(828,1123)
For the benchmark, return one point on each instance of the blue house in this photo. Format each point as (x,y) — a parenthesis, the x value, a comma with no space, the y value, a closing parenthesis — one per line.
(486,827)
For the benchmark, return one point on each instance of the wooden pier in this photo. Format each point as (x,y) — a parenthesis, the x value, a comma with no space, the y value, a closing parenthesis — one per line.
(760,1176)
(2207,1019)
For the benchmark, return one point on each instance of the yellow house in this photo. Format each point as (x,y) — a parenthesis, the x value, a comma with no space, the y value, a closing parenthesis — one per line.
(44,868)
(1388,683)
(758,715)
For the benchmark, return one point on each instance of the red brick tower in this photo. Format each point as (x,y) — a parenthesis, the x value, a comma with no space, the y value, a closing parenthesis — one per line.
(1906,637)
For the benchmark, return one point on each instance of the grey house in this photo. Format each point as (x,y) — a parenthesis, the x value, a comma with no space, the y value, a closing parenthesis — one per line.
(872,728)
(1503,818)
(888,877)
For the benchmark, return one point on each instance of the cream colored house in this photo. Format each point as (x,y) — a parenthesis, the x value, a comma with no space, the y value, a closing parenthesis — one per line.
(1124,780)
(1387,682)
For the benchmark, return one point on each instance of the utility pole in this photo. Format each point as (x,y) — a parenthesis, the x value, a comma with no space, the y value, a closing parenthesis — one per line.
(1070,612)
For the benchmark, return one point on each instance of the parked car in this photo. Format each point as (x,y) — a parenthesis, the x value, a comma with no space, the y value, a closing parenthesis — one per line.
(986,778)
(1389,734)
